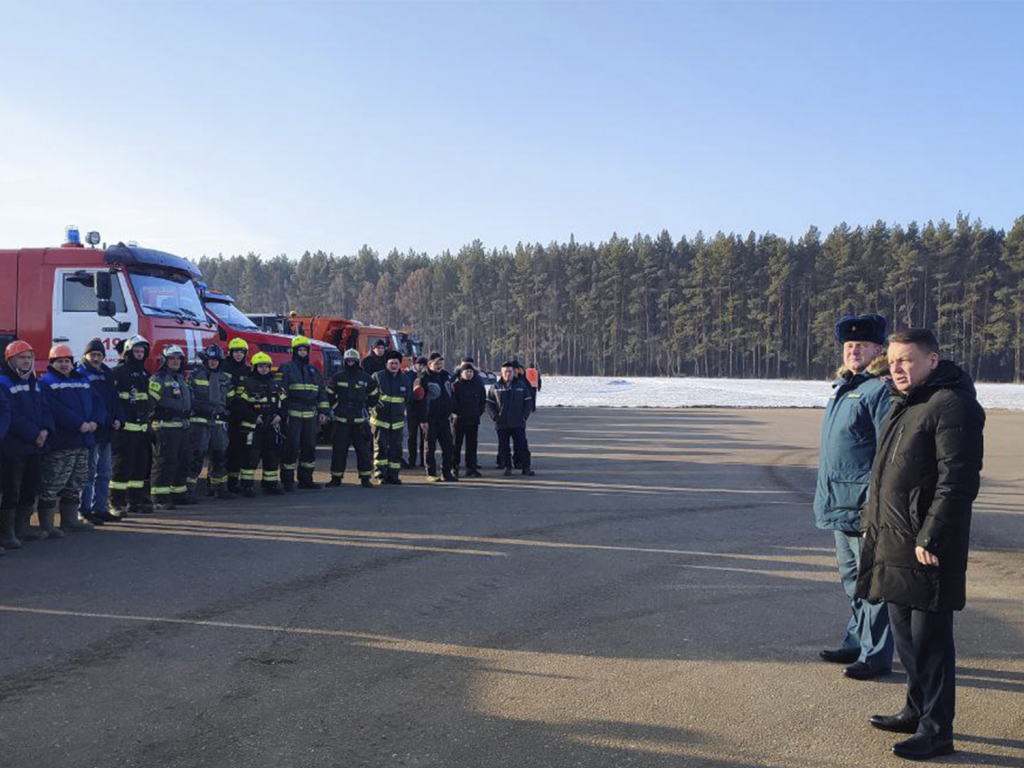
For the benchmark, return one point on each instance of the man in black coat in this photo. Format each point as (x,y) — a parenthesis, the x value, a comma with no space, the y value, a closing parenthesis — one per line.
(436,384)
(470,394)
(374,362)
(917,521)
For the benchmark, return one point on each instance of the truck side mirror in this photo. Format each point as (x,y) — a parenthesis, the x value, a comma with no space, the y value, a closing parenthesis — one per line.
(104,289)
(105,308)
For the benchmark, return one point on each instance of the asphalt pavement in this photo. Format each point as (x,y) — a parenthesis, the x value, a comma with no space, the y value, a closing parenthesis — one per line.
(655,596)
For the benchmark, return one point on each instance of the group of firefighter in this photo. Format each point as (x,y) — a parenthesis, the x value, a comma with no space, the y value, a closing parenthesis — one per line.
(96,444)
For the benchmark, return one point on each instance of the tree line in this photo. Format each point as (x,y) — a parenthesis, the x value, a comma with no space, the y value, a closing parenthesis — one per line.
(721,306)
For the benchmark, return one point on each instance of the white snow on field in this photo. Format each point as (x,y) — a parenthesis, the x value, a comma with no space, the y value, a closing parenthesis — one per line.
(649,392)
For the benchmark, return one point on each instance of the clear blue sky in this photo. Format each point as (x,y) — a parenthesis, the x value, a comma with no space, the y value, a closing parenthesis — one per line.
(205,128)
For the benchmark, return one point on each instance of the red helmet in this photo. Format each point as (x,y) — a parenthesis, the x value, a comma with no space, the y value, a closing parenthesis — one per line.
(16,348)
(61,350)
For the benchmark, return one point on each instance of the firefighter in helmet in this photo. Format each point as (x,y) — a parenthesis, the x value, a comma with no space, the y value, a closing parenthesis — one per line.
(257,410)
(210,387)
(238,369)
(172,450)
(351,393)
(306,408)
(130,461)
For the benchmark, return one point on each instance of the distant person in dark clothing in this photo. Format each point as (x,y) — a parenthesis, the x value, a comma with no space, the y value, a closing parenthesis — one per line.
(374,361)
(436,384)
(416,416)
(917,526)
(509,405)
(470,404)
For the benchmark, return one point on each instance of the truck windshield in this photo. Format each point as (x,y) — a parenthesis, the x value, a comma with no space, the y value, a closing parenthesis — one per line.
(230,316)
(167,294)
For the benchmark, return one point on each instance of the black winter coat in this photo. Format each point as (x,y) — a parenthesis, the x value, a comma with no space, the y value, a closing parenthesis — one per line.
(470,398)
(924,480)
(373,364)
(441,407)
(510,405)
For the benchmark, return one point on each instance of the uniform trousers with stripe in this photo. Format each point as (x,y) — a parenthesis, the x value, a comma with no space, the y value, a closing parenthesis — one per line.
(172,455)
(129,466)
(300,449)
(209,439)
(387,450)
(355,435)
(261,446)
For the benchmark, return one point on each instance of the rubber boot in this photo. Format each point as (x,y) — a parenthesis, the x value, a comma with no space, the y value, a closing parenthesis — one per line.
(161,504)
(46,512)
(186,499)
(272,489)
(365,482)
(7,538)
(70,519)
(247,489)
(335,482)
(210,490)
(306,480)
(223,493)
(23,525)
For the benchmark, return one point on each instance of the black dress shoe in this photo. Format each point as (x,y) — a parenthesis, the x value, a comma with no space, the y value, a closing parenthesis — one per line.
(900,723)
(923,747)
(860,670)
(841,656)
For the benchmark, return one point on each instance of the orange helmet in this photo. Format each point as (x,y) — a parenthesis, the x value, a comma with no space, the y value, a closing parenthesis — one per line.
(61,350)
(16,348)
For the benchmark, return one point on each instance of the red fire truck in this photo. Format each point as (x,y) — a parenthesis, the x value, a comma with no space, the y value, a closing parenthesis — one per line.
(73,294)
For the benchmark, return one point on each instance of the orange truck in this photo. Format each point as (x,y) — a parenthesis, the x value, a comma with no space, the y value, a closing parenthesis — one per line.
(342,333)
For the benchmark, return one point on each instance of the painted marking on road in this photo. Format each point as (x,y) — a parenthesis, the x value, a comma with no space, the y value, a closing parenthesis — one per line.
(353,537)
(154,528)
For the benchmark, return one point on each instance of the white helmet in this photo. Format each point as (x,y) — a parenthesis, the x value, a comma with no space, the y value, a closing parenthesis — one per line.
(173,350)
(351,354)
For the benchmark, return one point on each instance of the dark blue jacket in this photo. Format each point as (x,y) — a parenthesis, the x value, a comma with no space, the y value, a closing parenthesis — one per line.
(510,405)
(853,421)
(5,412)
(30,415)
(105,388)
(73,403)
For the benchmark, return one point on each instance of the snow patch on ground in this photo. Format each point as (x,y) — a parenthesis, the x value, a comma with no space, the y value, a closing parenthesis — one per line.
(649,392)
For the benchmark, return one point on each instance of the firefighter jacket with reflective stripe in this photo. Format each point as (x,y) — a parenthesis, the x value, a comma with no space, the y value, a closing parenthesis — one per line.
(257,402)
(209,395)
(395,392)
(72,403)
(351,393)
(132,381)
(238,373)
(303,389)
(171,396)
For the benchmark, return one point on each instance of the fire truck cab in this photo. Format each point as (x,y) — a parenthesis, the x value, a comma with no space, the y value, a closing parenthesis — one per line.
(73,294)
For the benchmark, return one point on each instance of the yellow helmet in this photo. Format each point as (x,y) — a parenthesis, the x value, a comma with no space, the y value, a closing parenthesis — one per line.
(261,357)
(300,341)
(238,343)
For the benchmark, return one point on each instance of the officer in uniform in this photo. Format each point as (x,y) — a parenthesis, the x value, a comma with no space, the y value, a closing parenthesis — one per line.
(131,447)
(257,410)
(351,393)
(237,368)
(416,416)
(306,408)
(388,417)
(210,387)
(172,452)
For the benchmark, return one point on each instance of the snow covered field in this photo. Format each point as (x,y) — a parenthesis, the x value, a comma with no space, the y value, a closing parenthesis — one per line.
(723,393)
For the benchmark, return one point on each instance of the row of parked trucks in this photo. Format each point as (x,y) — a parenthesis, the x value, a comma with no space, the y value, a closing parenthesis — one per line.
(73,294)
